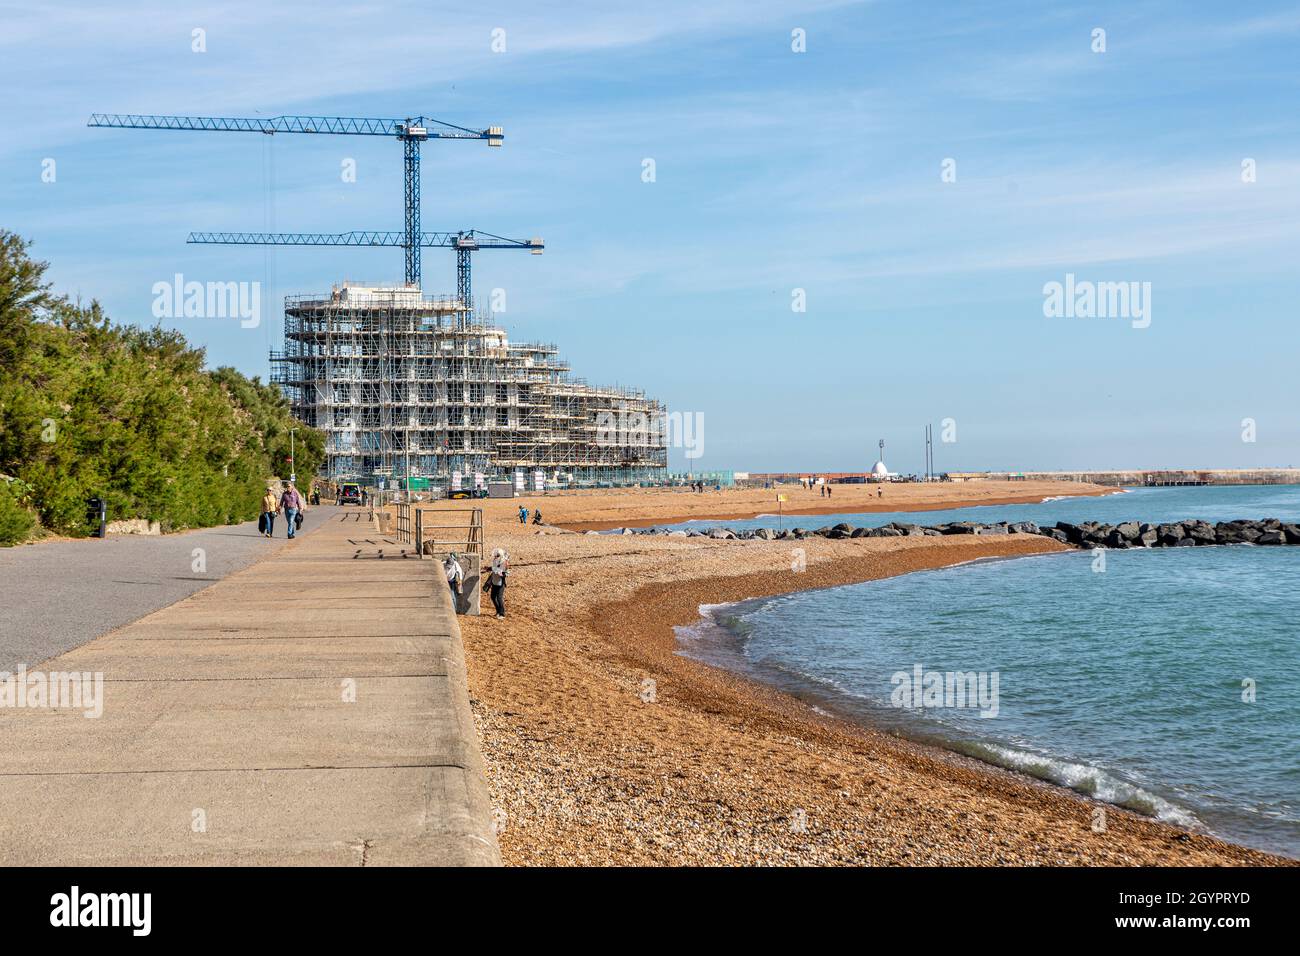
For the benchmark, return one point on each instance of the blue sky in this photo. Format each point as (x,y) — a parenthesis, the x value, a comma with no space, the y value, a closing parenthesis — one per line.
(775,171)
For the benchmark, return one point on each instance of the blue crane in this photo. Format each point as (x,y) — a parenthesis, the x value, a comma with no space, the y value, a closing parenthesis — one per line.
(411,131)
(464,242)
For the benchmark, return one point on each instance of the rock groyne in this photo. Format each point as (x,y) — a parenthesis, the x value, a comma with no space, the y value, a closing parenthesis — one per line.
(1088,534)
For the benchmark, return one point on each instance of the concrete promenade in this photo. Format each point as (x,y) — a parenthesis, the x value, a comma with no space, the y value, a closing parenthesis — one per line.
(308,710)
(60,594)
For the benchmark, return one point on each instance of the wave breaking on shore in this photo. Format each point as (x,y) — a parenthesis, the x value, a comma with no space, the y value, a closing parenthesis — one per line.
(719,637)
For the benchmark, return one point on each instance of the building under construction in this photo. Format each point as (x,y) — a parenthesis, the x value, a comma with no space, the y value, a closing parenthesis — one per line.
(406,384)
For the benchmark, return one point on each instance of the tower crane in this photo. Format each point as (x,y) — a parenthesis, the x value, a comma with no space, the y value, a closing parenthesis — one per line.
(411,132)
(466,242)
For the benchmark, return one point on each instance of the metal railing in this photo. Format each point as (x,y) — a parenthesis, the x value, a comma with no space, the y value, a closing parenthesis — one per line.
(376,500)
(463,537)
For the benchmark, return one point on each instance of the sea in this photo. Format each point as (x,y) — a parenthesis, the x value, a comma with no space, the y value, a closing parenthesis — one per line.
(1166,681)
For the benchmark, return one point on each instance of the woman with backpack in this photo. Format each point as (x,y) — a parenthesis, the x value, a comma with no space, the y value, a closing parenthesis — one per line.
(497,579)
(455,579)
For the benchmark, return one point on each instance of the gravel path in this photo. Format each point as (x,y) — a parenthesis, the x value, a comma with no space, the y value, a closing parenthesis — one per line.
(59,595)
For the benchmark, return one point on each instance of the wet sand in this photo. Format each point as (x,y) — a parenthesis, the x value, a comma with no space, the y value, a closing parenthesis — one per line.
(717,769)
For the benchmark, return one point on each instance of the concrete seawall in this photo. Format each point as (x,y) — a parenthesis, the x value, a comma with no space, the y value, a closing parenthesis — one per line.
(309,710)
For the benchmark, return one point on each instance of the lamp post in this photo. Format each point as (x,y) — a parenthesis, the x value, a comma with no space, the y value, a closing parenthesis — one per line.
(293,465)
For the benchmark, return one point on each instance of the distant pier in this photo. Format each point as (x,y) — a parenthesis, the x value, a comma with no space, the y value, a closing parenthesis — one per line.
(1153,479)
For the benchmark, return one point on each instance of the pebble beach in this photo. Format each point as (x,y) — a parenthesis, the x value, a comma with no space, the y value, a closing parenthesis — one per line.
(606,747)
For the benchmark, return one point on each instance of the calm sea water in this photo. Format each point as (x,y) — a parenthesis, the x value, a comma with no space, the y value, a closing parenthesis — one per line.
(1125,684)
(1143,504)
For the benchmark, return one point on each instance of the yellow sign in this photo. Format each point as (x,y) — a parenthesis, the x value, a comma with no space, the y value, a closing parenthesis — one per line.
(781,498)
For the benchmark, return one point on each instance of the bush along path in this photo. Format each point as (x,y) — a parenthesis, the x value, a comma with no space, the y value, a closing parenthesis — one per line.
(89,409)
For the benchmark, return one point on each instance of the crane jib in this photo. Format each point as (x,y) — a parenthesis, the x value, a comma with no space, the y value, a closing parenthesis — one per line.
(410,131)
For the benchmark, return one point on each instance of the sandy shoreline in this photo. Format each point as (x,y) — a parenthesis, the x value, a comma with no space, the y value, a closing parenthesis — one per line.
(847,499)
(719,769)
(837,508)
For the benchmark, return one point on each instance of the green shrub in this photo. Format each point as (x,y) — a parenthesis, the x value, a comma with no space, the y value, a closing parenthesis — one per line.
(16,521)
(130,415)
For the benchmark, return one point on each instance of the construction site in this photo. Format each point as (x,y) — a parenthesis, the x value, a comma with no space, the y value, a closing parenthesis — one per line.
(419,388)
(404,383)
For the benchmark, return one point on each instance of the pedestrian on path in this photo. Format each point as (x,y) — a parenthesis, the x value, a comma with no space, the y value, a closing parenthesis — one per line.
(292,504)
(523,515)
(455,579)
(270,507)
(497,579)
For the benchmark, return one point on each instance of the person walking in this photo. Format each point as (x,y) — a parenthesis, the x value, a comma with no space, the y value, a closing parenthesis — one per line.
(292,504)
(455,579)
(500,571)
(523,515)
(270,506)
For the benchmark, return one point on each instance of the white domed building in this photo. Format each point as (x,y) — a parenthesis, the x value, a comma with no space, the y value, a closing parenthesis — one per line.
(879,471)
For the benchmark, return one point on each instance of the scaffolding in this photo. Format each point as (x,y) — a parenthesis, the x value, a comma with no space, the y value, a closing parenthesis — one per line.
(407,384)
